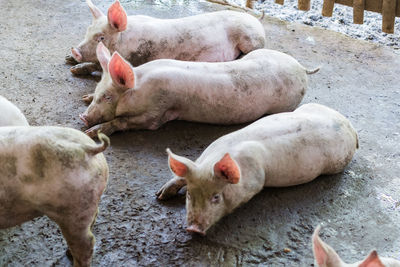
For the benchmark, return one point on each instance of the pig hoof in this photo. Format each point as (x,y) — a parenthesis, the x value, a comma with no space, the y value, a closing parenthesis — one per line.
(167,191)
(69,255)
(87,98)
(78,70)
(71,60)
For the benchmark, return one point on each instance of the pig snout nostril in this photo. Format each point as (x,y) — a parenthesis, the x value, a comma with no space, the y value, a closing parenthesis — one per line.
(84,119)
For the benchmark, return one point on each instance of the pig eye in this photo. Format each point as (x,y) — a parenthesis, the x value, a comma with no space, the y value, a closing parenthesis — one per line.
(216,199)
(107,98)
(100,38)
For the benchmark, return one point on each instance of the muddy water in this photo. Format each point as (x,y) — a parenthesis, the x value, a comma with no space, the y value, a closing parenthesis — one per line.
(359,208)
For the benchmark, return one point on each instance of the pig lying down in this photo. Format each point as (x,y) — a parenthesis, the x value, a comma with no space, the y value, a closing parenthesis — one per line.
(212,37)
(326,256)
(53,171)
(262,82)
(10,115)
(279,150)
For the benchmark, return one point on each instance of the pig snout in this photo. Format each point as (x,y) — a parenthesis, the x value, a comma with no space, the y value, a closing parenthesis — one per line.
(195,229)
(76,54)
(84,118)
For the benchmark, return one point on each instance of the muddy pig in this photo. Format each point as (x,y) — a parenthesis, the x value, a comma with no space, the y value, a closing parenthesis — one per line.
(218,36)
(53,171)
(262,82)
(279,150)
(10,115)
(326,256)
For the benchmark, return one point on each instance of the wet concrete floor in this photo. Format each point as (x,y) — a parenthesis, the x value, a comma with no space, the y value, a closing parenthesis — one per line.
(359,209)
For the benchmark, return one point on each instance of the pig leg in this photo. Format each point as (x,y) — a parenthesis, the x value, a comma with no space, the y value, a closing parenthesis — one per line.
(171,188)
(88,98)
(135,123)
(86,68)
(80,240)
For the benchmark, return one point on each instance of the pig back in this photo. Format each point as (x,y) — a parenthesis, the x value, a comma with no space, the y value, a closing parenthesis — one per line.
(262,82)
(10,115)
(312,141)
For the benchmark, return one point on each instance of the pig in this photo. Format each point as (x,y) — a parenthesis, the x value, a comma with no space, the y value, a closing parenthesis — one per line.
(326,256)
(217,36)
(145,97)
(10,115)
(54,171)
(283,149)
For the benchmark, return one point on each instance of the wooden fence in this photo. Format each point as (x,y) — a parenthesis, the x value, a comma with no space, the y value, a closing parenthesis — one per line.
(390,9)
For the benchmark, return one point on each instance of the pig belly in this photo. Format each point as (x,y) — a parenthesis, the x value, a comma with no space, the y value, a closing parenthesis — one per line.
(17,215)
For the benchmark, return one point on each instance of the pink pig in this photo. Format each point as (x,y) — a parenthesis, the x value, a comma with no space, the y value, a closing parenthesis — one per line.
(283,149)
(145,97)
(217,36)
(326,256)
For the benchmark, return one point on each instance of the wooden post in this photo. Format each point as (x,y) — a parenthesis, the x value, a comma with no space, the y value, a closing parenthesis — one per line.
(358,11)
(327,8)
(304,4)
(249,3)
(388,15)
(279,2)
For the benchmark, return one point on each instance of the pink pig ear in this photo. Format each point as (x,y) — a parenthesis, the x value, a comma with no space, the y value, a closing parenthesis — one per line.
(117,16)
(177,167)
(323,253)
(372,260)
(180,166)
(227,169)
(103,55)
(121,71)
(96,12)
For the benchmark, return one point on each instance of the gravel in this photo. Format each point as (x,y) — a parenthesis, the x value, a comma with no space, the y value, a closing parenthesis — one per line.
(341,20)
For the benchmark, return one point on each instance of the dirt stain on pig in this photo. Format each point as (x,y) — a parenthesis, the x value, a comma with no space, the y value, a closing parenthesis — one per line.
(185,36)
(145,52)
(38,161)
(8,165)
(46,156)
(239,80)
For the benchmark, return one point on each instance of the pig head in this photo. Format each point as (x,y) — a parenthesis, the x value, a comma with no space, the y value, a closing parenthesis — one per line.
(326,256)
(115,81)
(214,187)
(106,29)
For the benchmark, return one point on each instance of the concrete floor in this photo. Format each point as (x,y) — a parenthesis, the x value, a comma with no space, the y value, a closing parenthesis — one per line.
(359,209)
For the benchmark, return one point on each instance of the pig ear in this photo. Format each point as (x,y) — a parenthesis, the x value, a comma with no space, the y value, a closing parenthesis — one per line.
(121,71)
(103,55)
(372,260)
(96,12)
(323,253)
(227,169)
(180,166)
(117,17)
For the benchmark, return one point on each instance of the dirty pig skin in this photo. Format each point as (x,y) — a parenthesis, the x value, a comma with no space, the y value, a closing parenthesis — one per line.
(326,256)
(53,171)
(145,97)
(10,115)
(279,150)
(212,37)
